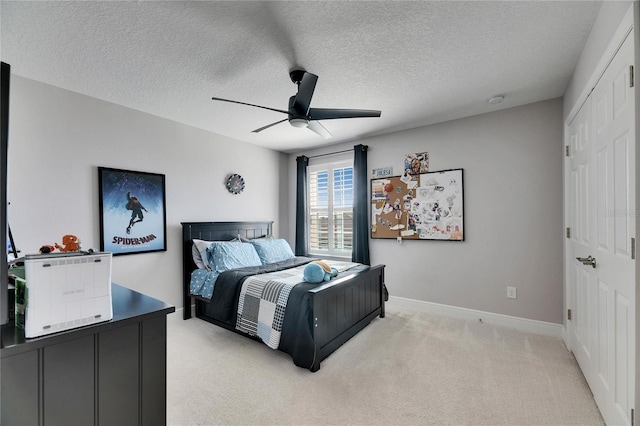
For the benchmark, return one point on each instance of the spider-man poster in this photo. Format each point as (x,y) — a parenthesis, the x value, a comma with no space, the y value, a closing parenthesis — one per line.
(132,211)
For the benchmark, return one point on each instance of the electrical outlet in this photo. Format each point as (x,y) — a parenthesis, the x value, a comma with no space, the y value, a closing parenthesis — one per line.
(511,293)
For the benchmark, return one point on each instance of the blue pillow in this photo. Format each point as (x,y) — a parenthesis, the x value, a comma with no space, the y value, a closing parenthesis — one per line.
(271,251)
(225,255)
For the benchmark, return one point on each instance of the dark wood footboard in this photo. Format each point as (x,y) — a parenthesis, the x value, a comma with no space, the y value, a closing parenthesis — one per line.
(344,307)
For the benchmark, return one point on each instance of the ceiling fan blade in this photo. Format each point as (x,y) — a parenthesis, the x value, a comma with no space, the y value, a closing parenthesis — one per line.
(305,92)
(332,113)
(268,125)
(318,128)
(244,103)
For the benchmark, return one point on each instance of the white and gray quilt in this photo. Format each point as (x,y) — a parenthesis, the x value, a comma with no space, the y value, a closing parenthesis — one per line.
(263,300)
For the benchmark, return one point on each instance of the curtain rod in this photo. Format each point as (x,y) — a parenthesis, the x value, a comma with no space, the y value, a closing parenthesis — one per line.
(333,153)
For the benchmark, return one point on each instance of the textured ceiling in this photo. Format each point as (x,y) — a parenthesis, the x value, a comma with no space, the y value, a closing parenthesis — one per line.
(419,62)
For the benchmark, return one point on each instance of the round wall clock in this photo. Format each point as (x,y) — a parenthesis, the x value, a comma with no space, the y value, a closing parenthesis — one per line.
(235,183)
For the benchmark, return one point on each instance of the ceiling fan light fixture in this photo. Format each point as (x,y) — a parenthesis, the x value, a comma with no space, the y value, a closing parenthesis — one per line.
(299,122)
(299,113)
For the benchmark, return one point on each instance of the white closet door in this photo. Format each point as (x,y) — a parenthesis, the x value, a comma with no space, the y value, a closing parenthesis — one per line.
(602,204)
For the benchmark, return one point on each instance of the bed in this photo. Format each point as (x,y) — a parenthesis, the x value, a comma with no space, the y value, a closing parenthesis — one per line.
(318,318)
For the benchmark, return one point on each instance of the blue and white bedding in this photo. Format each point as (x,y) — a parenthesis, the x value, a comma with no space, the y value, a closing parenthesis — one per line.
(215,257)
(221,256)
(249,285)
(297,336)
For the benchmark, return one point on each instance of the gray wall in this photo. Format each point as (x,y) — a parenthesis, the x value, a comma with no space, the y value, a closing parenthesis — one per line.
(513,194)
(512,161)
(58,139)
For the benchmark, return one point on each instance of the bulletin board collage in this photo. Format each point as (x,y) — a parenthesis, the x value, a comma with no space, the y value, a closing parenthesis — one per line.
(419,204)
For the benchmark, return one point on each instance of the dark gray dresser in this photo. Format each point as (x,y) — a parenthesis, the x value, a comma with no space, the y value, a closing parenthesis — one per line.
(112,373)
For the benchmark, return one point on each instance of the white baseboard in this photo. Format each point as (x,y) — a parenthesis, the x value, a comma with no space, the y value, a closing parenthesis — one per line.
(521,324)
(565,338)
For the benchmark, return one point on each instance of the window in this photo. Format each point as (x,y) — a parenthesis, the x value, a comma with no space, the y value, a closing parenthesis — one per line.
(331,208)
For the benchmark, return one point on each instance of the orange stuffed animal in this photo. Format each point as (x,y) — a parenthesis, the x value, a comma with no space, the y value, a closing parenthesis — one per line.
(70,242)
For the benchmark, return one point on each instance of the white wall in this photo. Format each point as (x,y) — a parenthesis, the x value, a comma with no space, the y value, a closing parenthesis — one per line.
(512,161)
(58,139)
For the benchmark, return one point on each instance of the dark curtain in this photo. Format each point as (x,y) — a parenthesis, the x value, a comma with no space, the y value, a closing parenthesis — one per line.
(360,251)
(301,205)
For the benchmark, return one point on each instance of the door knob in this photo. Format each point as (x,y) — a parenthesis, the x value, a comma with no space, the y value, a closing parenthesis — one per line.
(587,260)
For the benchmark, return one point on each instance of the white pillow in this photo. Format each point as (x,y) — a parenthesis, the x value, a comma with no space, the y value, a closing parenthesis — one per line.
(199,252)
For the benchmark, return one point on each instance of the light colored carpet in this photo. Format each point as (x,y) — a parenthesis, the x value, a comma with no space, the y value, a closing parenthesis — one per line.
(409,368)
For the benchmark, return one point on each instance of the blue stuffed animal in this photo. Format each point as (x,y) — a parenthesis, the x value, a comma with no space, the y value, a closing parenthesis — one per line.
(318,271)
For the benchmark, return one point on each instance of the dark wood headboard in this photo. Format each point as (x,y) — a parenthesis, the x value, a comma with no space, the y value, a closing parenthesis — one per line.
(213,231)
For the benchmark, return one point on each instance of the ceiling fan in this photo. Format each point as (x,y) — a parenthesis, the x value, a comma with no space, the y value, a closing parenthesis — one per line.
(300,114)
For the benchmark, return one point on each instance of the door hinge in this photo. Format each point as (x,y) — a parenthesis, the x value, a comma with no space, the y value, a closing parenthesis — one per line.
(631,76)
(569,314)
(568,232)
(633,248)
(566,150)
(632,417)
